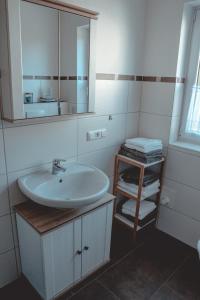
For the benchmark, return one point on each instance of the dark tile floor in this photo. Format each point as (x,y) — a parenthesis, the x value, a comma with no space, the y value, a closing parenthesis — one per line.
(156,267)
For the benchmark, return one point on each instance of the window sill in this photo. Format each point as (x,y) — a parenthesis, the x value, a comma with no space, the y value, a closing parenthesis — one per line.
(188,148)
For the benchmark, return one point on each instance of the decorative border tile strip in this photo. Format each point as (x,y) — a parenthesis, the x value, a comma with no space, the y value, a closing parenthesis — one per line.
(42,77)
(164,79)
(105,76)
(28,77)
(102,76)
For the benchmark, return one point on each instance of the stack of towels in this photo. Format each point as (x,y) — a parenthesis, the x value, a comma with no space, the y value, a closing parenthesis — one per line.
(142,149)
(146,207)
(129,179)
(132,188)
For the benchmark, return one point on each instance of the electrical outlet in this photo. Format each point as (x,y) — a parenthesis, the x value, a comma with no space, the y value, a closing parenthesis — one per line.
(96,134)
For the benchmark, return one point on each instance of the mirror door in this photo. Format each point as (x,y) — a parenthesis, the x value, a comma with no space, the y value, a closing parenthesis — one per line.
(74,62)
(55,61)
(40,59)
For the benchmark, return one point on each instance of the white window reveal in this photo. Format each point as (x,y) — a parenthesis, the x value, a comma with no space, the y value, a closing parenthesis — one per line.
(190,127)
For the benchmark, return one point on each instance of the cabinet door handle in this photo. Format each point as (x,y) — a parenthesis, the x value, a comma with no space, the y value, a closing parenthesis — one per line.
(86,248)
(79,252)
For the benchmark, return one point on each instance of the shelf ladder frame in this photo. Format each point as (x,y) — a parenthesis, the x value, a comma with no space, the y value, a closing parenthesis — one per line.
(142,167)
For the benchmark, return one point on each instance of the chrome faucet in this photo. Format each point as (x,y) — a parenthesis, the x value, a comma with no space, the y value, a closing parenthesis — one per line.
(56,167)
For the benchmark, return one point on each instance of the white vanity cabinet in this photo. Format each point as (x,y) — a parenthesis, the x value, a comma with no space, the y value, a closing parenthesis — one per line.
(58,259)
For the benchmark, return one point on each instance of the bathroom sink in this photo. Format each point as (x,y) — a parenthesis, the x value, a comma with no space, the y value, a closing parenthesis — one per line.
(79,185)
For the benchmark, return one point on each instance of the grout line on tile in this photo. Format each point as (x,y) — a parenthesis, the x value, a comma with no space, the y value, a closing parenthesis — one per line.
(190,186)
(8,250)
(157,114)
(6,214)
(172,274)
(106,288)
(9,202)
(175,292)
(181,213)
(121,259)
(112,265)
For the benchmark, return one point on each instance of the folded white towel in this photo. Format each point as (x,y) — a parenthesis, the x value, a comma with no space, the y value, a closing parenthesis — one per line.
(152,186)
(147,149)
(146,207)
(144,144)
(147,191)
(141,142)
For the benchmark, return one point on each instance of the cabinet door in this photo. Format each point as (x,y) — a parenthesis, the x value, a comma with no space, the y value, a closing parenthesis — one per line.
(93,239)
(58,255)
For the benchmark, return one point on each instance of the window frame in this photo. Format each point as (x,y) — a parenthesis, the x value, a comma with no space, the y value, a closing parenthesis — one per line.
(193,58)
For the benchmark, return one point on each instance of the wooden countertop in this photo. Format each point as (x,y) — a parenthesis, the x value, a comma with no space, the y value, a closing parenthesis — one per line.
(44,219)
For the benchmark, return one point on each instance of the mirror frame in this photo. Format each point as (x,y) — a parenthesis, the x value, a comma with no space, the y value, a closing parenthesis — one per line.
(13,110)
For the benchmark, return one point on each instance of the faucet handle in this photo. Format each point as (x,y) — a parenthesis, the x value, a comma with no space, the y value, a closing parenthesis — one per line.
(57,161)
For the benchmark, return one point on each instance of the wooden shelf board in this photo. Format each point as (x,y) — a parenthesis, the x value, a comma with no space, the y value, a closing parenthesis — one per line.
(138,163)
(130,224)
(132,196)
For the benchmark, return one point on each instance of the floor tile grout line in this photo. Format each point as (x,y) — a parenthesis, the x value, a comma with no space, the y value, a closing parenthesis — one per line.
(121,259)
(172,274)
(107,289)
(175,292)
(110,267)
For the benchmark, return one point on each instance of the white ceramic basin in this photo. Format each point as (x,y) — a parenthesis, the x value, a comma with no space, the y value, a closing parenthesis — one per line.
(79,185)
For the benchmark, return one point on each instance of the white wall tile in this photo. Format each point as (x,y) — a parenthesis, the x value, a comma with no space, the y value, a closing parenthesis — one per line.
(181,227)
(158,98)
(184,199)
(163,25)
(4,201)
(111,97)
(116,51)
(102,159)
(6,234)
(132,121)
(38,144)
(134,96)
(15,194)
(115,132)
(183,168)
(155,126)
(2,158)
(8,268)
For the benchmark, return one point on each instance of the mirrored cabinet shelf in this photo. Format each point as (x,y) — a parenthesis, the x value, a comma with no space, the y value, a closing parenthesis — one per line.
(48,66)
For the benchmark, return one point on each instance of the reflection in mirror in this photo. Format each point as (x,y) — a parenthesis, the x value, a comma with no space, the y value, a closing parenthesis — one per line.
(55,58)
(74,62)
(40,57)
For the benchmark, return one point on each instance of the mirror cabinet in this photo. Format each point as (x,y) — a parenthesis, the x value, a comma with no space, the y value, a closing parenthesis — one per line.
(47,59)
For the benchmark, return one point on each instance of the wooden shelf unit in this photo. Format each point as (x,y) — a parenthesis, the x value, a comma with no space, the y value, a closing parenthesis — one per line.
(138,197)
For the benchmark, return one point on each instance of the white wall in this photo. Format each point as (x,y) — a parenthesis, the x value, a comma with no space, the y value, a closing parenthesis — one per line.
(69,60)
(163,26)
(23,149)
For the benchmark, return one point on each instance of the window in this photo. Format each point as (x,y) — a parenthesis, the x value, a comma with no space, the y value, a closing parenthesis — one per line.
(190,127)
